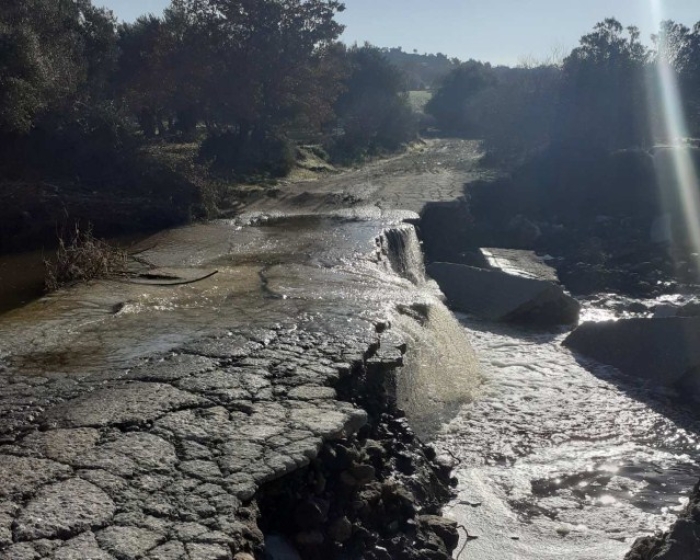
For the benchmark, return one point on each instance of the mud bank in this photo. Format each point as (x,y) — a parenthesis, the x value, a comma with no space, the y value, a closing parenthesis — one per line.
(215,419)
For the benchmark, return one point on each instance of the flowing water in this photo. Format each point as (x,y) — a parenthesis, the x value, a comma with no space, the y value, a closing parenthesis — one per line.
(342,272)
(557,457)
(560,457)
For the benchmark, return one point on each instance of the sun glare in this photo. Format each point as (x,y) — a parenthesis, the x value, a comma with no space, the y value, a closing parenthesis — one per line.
(684,173)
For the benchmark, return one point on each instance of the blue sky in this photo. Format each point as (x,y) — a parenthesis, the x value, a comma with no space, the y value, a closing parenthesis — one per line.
(498,31)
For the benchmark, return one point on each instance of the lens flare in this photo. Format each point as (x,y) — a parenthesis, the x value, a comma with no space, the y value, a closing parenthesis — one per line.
(681,174)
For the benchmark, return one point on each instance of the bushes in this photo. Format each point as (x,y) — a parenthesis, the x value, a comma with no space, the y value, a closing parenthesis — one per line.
(567,185)
(90,143)
(81,257)
(374,113)
(449,105)
(233,154)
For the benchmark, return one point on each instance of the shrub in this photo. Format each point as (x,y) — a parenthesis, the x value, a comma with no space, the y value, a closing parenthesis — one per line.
(89,142)
(81,257)
(233,154)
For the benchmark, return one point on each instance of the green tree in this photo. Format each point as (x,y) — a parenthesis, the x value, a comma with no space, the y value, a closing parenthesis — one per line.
(52,52)
(143,81)
(373,109)
(516,114)
(603,100)
(449,105)
(254,62)
(679,47)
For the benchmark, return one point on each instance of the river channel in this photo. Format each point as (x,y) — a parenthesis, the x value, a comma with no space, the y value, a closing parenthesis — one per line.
(561,457)
(556,456)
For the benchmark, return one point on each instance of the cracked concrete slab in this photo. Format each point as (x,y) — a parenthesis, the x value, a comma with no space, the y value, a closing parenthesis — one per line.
(154,446)
(23,475)
(126,404)
(64,510)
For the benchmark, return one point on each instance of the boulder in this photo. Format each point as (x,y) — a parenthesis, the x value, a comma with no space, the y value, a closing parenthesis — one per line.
(519,262)
(498,296)
(680,542)
(665,351)
(445,231)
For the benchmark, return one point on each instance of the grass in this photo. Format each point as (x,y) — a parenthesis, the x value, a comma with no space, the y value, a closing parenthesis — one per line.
(81,257)
(418,99)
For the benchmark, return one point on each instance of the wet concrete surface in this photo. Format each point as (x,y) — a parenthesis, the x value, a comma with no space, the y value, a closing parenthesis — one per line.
(138,419)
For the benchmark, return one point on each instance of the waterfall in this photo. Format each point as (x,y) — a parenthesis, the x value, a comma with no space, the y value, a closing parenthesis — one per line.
(400,245)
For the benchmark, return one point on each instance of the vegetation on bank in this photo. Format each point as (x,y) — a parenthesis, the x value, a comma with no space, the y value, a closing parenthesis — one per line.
(92,111)
(605,95)
(81,257)
(580,136)
(592,165)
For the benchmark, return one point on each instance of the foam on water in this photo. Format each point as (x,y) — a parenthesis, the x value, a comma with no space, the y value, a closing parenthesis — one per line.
(559,457)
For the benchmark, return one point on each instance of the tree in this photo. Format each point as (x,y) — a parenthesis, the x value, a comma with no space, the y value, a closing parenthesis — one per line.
(373,108)
(143,81)
(50,52)
(254,62)
(679,47)
(603,98)
(516,114)
(449,105)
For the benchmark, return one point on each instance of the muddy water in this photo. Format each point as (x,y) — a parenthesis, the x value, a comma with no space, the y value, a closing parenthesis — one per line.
(559,457)
(258,266)
(21,279)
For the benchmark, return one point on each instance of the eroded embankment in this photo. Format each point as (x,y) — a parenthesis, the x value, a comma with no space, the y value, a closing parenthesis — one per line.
(142,423)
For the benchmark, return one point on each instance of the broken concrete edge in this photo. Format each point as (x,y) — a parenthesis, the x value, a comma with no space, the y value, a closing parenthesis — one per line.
(387,488)
(495,295)
(170,459)
(680,542)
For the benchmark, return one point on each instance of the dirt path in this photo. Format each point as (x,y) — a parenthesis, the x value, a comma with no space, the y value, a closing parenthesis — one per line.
(431,171)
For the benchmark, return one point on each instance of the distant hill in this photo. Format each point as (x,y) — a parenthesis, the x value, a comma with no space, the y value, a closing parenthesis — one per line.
(423,71)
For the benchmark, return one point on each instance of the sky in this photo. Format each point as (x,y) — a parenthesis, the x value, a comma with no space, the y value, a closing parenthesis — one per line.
(497,31)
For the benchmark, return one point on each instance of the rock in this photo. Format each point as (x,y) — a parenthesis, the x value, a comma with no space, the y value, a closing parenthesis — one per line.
(683,542)
(363,473)
(309,538)
(278,547)
(83,547)
(446,231)
(519,262)
(497,296)
(444,528)
(64,509)
(311,514)
(5,529)
(172,368)
(340,530)
(663,351)
(680,542)
(62,445)
(20,551)
(198,551)
(522,232)
(171,550)
(130,453)
(128,404)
